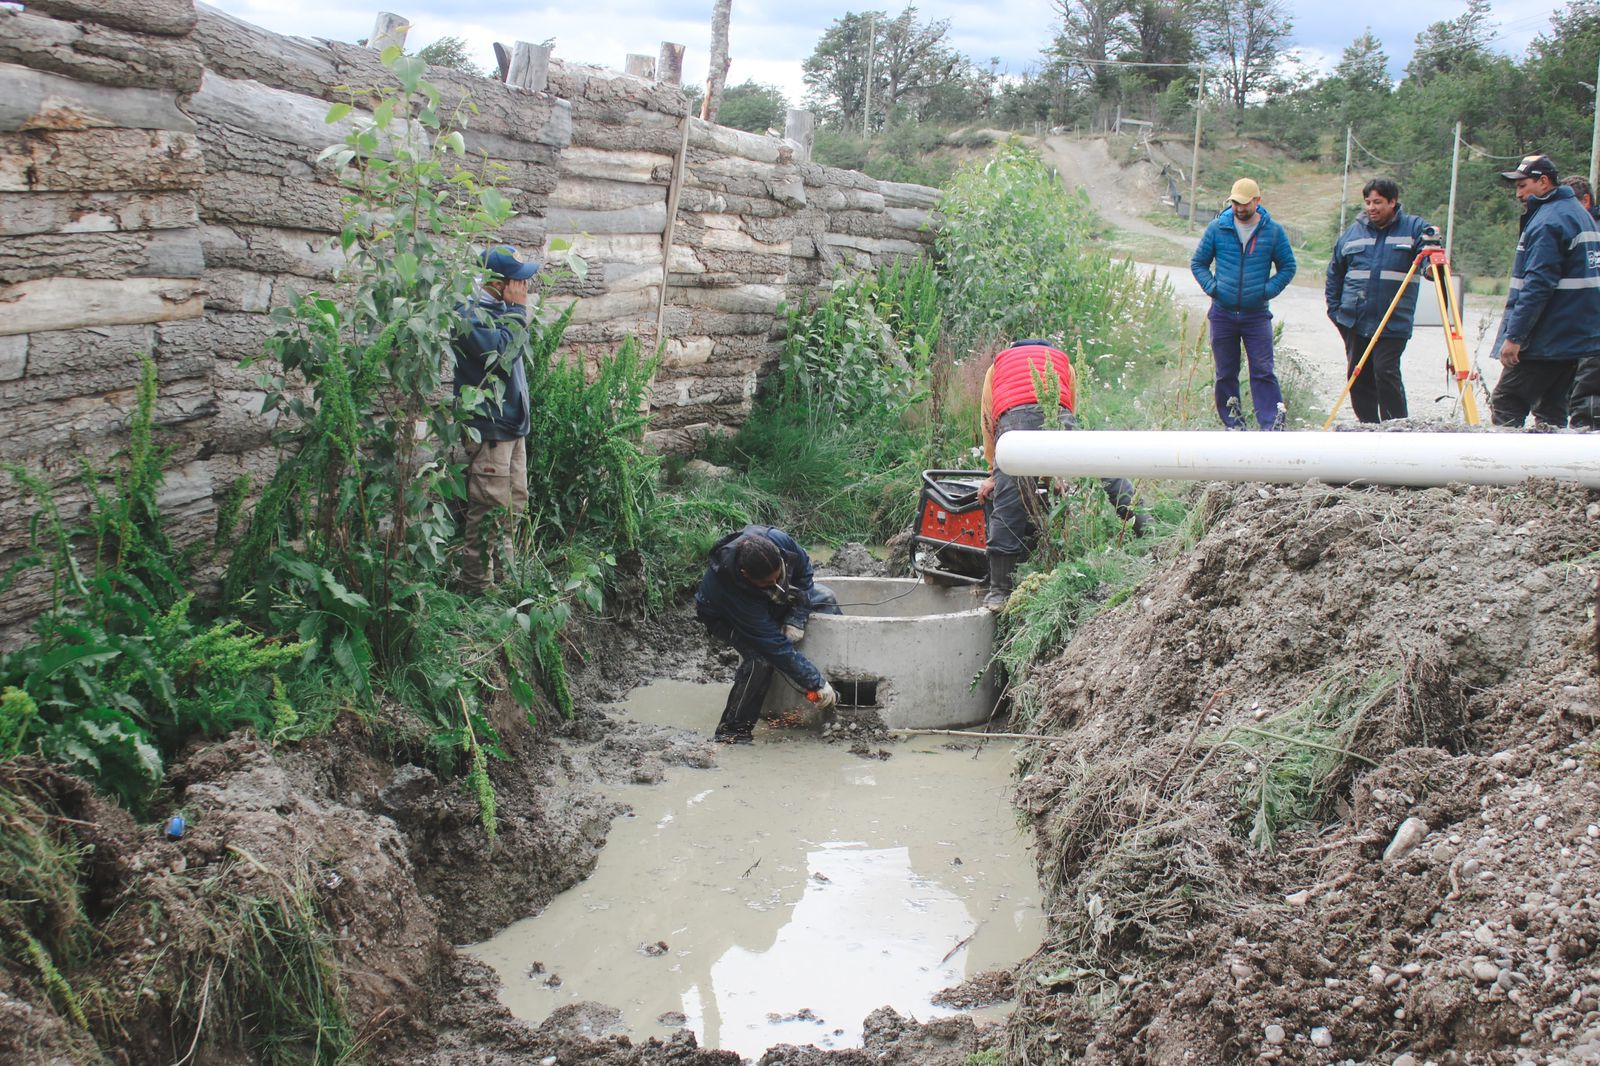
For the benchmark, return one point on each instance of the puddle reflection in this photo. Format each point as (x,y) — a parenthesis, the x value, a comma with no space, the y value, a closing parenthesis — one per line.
(796,887)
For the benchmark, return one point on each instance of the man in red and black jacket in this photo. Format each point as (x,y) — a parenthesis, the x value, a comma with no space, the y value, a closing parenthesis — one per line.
(1011,401)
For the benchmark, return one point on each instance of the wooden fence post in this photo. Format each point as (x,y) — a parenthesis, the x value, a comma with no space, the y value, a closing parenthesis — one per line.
(390,29)
(669,65)
(530,66)
(800,127)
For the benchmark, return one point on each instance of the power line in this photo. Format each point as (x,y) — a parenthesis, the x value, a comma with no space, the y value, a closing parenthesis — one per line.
(1126,63)
(1376,157)
(1485,154)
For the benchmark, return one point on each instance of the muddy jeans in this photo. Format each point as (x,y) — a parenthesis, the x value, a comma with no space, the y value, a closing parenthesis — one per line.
(497,493)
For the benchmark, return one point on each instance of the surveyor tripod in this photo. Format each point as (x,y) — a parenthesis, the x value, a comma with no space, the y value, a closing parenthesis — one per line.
(1458,366)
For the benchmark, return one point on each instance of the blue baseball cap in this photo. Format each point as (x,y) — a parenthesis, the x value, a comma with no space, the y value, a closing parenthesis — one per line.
(502,260)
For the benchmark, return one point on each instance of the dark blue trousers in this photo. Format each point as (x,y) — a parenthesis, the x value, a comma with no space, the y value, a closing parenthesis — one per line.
(1252,329)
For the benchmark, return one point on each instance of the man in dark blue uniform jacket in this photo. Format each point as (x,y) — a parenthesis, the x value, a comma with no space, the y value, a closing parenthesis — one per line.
(1552,316)
(1368,264)
(489,346)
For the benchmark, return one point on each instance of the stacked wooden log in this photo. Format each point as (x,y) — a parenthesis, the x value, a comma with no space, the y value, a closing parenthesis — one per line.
(101,258)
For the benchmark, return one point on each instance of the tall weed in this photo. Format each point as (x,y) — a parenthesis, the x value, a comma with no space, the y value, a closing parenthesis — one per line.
(841,434)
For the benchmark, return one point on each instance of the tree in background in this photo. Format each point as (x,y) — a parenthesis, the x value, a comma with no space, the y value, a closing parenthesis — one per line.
(1561,69)
(911,63)
(450,52)
(1126,53)
(1454,44)
(1357,92)
(1162,33)
(1089,31)
(835,72)
(752,107)
(1247,39)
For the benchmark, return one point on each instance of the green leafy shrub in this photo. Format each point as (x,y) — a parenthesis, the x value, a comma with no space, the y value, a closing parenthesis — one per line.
(839,437)
(864,352)
(588,472)
(120,674)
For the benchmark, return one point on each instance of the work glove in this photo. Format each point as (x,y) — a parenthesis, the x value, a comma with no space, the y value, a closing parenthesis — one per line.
(823,697)
(794,633)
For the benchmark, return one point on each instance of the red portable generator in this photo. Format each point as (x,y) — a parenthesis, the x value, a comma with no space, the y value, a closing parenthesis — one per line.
(947,539)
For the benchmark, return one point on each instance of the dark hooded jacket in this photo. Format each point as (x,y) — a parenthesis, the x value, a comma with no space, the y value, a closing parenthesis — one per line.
(752,619)
(491,337)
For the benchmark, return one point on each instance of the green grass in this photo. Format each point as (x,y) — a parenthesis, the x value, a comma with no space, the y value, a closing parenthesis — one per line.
(273,980)
(1294,761)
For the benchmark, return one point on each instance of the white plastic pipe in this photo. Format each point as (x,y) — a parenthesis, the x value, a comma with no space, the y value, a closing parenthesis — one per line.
(1475,458)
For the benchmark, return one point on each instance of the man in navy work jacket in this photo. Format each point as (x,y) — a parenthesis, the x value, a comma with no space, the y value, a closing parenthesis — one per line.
(1245,245)
(489,345)
(1552,315)
(757,594)
(1368,264)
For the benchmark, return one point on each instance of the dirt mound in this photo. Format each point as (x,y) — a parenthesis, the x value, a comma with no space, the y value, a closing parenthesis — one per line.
(1393,693)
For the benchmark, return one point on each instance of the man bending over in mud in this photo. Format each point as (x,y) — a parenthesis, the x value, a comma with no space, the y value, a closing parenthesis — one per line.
(757,594)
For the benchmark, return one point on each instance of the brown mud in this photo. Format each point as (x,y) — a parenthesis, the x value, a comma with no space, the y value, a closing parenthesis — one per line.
(1472,937)
(1172,939)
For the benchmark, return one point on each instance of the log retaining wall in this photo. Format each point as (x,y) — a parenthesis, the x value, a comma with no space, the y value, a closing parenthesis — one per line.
(159,194)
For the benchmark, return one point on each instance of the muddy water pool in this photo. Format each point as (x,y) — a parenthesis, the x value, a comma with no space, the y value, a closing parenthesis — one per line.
(784,895)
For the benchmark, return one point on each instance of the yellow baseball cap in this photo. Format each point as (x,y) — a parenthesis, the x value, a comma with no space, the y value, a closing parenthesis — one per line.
(1244,190)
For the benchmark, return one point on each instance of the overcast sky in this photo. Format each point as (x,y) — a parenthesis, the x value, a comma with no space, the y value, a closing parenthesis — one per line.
(770,38)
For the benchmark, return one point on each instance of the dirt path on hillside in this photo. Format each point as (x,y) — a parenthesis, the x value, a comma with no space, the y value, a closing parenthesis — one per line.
(1118,193)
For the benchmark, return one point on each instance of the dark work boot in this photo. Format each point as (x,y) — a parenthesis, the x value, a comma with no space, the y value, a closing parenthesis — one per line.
(1002,579)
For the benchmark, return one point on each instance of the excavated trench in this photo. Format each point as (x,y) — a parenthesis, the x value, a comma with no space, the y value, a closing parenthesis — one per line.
(783,894)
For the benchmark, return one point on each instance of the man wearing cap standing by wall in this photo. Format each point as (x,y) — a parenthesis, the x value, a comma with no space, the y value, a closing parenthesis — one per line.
(1243,261)
(1552,315)
(490,344)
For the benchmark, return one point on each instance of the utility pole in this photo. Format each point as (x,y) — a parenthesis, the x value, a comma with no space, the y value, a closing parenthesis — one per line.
(1194,164)
(1455,169)
(1344,187)
(866,111)
(1594,145)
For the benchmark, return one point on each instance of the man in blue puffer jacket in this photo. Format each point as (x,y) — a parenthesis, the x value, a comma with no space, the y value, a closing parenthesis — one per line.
(758,594)
(1552,315)
(1245,245)
(1368,264)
